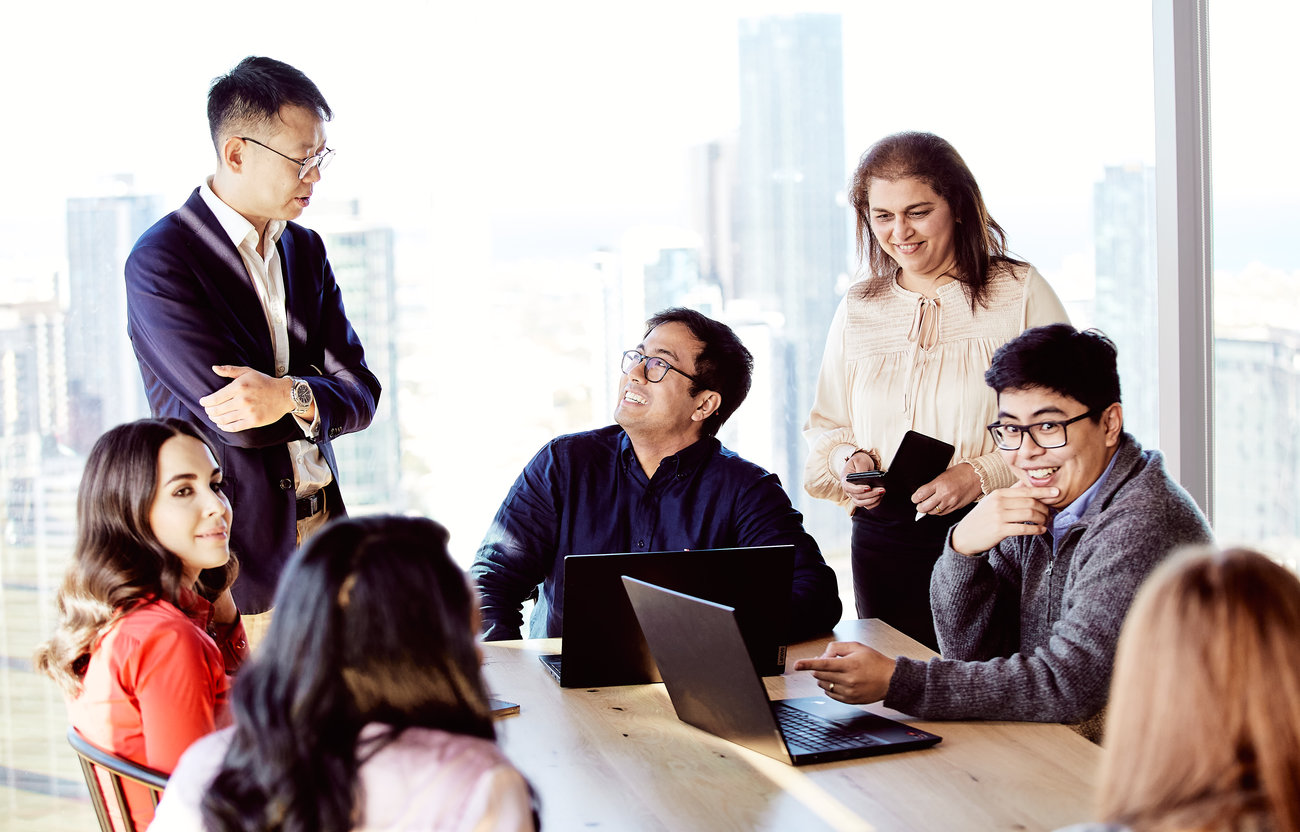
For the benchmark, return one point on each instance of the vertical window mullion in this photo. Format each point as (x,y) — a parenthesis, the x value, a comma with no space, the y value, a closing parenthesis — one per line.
(1183,243)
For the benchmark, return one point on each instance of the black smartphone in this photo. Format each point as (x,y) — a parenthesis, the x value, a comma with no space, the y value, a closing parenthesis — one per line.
(869,477)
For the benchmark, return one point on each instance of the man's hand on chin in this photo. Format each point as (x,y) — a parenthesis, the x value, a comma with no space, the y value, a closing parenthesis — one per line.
(1017,510)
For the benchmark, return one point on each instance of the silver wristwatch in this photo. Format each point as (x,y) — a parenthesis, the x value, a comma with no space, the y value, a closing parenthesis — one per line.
(300,396)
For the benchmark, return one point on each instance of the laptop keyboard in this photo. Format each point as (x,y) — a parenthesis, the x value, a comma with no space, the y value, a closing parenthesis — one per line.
(803,729)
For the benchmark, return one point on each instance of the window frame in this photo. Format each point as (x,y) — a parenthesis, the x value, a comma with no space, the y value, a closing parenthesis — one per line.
(1184,261)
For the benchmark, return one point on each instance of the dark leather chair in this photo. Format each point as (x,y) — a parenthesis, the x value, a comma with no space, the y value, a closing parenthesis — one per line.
(94,761)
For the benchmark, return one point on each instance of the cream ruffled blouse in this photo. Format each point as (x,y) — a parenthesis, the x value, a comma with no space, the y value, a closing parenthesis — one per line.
(906,362)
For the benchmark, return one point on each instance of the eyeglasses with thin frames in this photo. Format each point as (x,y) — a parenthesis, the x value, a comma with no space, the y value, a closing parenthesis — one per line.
(655,367)
(1046,435)
(318,160)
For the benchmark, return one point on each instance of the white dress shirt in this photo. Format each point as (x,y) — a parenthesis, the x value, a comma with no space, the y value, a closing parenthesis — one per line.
(310,470)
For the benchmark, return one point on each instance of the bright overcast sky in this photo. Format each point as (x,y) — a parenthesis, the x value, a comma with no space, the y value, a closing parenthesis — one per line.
(569,121)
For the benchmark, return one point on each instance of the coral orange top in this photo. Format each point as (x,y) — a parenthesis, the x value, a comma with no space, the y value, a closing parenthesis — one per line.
(156,682)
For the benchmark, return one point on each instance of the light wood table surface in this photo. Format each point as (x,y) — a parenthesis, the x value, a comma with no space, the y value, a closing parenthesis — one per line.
(618,758)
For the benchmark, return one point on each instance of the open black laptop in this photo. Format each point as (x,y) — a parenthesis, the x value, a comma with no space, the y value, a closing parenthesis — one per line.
(603,644)
(714,687)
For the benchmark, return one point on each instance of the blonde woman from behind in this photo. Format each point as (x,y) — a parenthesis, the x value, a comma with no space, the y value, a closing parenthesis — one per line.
(1204,725)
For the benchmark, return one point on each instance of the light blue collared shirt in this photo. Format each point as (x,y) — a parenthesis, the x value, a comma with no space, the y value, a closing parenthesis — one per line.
(1068,516)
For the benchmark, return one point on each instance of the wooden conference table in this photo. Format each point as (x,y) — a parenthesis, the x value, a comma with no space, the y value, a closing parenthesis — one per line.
(618,758)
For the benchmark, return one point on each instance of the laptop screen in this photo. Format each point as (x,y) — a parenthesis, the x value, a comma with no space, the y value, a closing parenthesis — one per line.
(603,643)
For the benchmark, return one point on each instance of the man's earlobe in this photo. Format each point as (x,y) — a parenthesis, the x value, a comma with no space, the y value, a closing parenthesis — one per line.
(1114,421)
(232,153)
(707,407)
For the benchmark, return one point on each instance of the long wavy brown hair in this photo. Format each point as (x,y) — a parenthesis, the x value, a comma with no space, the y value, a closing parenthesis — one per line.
(118,560)
(1204,724)
(981,244)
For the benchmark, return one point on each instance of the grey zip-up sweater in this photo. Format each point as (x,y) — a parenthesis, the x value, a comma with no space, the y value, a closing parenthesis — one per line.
(1026,635)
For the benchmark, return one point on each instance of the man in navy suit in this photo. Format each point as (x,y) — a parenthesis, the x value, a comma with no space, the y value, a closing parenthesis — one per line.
(239,326)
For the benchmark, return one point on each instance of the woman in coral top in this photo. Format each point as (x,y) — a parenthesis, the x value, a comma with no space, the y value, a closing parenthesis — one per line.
(148,630)
(907,350)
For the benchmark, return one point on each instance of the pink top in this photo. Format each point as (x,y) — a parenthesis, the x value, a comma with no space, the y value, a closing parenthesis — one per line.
(426,779)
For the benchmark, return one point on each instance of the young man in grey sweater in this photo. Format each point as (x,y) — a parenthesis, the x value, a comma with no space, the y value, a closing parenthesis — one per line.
(1034,583)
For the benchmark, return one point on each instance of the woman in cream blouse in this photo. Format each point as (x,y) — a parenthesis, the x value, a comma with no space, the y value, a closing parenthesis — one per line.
(907,350)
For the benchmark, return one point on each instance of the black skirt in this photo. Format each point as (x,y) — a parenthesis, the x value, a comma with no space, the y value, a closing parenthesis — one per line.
(893,556)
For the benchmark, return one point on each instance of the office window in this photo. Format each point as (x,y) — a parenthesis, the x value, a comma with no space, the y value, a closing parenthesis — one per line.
(1060,138)
(517,188)
(514,194)
(1256,181)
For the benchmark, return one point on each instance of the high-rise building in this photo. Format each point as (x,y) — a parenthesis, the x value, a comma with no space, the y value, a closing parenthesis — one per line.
(749,430)
(792,250)
(1256,399)
(713,197)
(37,475)
(1125,305)
(361,254)
(1257,470)
(672,278)
(33,382)
(664,266)
(104,386)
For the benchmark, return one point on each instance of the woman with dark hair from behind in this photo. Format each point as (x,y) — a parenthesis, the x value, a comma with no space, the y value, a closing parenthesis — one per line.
(907,350)
(365,706)
(147,628)
(1204,725)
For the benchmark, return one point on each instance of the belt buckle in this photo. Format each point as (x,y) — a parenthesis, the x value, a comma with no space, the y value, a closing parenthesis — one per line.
(312,504)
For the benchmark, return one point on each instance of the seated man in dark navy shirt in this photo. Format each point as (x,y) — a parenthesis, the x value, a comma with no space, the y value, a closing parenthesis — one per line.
(659,480)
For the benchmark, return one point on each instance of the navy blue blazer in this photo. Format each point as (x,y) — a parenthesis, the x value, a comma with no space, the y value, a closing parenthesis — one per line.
(190,305)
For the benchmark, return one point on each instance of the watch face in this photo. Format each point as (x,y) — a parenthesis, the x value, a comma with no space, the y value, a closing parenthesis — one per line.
(301,393)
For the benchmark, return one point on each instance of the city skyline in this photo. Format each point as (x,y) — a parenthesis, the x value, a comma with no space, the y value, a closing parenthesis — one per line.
(500,196)
(618,155)
(525,153)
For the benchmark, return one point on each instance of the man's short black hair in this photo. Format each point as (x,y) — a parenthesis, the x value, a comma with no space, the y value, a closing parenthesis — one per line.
(724,365)
(251,95)
(1062,359)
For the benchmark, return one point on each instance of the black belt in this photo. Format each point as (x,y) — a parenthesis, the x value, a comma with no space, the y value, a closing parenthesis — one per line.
(311,505)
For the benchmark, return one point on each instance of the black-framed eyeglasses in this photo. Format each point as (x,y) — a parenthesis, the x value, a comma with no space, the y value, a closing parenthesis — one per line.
(655,367)
(1045,434)
(318,160)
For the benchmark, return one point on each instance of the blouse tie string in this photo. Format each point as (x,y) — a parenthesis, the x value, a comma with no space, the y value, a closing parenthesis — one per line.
(924,335)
